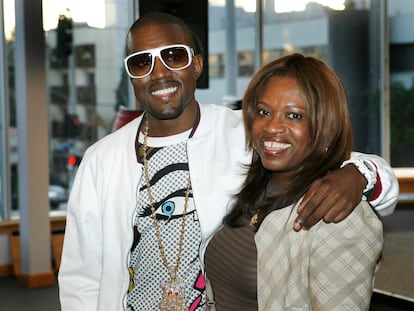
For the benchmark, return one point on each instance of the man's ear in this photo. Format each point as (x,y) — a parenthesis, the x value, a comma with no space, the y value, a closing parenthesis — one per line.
(198,65)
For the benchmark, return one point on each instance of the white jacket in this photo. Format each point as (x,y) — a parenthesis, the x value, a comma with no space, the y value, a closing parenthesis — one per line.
(93,273)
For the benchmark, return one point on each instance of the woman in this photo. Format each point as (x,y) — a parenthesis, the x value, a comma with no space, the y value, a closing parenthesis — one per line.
(297,122)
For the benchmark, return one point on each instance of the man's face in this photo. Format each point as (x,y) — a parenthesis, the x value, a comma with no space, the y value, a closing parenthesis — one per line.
(165,94)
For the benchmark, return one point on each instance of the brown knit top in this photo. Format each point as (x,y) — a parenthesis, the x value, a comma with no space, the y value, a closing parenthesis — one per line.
(231,267)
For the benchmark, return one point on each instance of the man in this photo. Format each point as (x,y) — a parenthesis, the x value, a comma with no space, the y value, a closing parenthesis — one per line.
(147,198)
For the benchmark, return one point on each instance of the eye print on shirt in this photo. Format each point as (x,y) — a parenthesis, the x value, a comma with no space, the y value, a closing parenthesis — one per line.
(171,207)
(168,208)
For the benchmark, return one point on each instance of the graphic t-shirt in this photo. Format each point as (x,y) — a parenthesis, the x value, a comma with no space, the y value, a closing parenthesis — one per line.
(168,174)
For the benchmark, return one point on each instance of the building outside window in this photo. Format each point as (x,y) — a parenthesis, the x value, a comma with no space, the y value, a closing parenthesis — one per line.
(216,68)
(246,63)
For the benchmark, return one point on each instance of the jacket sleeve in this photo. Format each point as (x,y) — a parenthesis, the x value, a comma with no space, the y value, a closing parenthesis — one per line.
(383,188)
(343,261)
(80,269)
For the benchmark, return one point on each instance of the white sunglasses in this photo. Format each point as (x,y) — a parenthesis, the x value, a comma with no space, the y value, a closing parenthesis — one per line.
(174,57)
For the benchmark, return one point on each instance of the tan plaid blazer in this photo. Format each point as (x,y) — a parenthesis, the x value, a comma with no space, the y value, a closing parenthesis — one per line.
(329,267)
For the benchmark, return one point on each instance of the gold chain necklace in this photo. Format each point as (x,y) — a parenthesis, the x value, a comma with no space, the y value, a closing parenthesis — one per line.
(173,296)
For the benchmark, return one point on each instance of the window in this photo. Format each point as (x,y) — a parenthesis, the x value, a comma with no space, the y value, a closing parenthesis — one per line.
(216,66)
(246,64)
(80,108)
(93,84)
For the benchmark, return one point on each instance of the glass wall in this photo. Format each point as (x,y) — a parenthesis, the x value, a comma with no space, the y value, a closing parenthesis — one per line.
(86,81)
(87,84)
(348,37)
(7,134)
(368,43)
(401,51)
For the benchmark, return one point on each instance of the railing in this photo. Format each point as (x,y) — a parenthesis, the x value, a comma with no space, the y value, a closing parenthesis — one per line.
(406,182)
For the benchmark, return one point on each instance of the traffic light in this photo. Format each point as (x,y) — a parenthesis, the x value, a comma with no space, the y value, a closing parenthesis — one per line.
(73,161)
(71,126)
(64,37)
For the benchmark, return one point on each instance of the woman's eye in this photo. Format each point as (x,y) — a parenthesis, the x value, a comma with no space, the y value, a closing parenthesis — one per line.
(262,112)
(294,115)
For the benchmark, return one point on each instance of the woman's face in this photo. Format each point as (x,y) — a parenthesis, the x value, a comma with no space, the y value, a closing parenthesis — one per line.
(280,129)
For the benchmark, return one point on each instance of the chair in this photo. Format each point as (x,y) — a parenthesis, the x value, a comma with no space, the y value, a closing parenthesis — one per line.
(124,116)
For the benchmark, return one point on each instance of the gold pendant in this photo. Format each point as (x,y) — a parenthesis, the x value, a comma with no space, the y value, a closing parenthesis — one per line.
(173,294)
(254,219)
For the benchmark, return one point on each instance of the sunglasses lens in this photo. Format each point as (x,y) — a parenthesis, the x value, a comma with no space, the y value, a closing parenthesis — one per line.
(140,64)
(175,57)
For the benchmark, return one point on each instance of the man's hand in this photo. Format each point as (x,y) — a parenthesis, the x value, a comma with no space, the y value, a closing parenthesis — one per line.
(331,198)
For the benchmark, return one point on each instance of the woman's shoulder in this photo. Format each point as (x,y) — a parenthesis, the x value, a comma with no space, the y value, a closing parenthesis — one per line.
(362,223)
(361,229)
